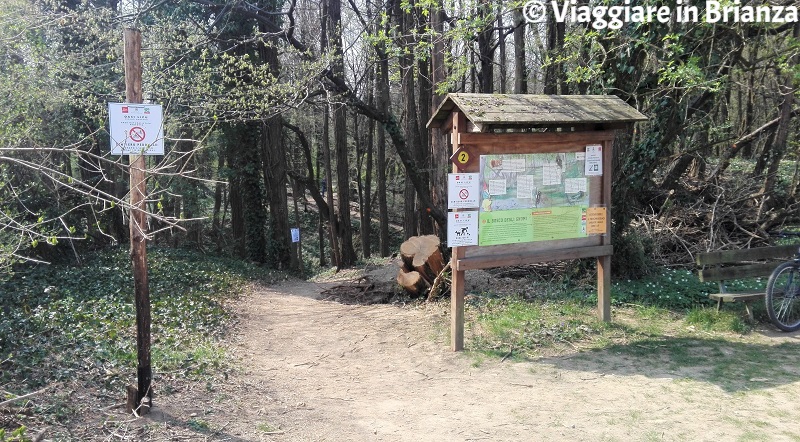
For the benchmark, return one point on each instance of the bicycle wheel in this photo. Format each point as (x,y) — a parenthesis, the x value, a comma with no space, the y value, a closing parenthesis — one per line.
(783,296)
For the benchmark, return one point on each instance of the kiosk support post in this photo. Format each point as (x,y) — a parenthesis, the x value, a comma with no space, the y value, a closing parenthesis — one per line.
(604,262)
(457,286)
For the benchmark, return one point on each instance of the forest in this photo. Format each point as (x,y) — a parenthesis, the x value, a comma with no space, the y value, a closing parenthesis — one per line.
(287,115)
(283,114)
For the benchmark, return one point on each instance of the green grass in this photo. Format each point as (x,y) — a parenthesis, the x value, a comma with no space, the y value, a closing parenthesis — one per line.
(75,326)
(199,425)
(514,324)
(17,435)
(266,428)
(698,343)
(709,319)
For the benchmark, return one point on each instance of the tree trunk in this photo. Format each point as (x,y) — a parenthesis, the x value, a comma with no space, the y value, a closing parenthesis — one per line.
(347,254)
(366,203)
(554,75)
(425,86)
(255,214)
(275,180)
(411,129)
(501,47)
(216,223)
(439,145)
(319,157)
(237,213)
(520,69)
(409,210)
(382,102)
(485,49)
(328,184)
(297,248)
(326,148)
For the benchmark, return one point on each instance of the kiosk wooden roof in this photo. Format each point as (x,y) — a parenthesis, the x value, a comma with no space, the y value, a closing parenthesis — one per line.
(490,111)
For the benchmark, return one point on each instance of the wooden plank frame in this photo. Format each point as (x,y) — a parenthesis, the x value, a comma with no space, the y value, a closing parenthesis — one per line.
(476,257)
(755,254)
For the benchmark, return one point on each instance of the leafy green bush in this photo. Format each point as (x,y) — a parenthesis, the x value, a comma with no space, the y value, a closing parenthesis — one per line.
(17,435)
(632,255)
(62,323)
(675,289)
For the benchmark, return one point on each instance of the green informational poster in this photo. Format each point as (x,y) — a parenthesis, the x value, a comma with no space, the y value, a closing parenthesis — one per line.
(532,197)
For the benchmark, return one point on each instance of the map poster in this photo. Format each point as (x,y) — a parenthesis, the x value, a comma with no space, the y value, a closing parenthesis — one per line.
(532,197)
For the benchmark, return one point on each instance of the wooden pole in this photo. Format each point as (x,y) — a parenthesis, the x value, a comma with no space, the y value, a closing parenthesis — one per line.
(138,230)
(457,286)
(604,262)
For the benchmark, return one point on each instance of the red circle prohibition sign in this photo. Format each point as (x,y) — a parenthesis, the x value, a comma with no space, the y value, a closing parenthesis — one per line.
(136,133)
(464,194)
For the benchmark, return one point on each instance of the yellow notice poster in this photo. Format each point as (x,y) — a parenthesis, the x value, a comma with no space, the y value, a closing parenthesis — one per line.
(596,221)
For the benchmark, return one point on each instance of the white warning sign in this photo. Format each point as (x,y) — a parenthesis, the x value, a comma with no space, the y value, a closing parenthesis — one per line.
(463,190)
(136,128)
(594,160)
(462,229)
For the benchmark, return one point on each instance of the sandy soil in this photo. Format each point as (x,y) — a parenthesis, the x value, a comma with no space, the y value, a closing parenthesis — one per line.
(313,370)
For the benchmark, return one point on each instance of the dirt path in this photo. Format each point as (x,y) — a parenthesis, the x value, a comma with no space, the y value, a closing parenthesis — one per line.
(315,370)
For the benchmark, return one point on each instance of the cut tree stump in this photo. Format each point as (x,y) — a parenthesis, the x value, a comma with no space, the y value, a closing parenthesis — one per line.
(422,253)
(412,282)
(422,263)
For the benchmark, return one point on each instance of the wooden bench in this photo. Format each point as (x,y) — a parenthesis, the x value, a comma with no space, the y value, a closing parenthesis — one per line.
(728,265)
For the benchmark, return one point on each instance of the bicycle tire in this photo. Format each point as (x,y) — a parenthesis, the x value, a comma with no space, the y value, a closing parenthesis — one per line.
(783,296)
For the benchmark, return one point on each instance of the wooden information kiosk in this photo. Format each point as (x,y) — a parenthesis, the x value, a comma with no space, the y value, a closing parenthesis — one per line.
(542,166)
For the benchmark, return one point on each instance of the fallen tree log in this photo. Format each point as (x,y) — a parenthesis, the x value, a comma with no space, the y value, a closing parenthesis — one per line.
(412,282)
(423,254)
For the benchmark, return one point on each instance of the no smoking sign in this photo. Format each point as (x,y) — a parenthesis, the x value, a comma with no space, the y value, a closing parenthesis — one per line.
(137,134)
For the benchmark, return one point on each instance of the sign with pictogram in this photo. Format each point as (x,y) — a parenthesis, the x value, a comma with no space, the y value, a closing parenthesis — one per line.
(594,160)
(136,129)
(462,229)
(463,190)
(462,158)
(137,134)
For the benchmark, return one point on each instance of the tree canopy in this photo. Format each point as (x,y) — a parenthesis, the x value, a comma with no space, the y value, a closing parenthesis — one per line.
(327,103)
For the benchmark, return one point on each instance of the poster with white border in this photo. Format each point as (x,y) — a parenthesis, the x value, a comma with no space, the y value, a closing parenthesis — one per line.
(136,128)
(463,190)
(462,229)
(594,160)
